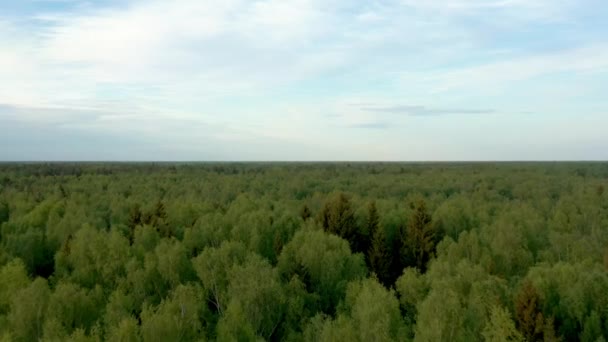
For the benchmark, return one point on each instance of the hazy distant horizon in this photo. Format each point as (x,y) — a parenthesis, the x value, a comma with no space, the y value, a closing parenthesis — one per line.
(405,162)
(303,80)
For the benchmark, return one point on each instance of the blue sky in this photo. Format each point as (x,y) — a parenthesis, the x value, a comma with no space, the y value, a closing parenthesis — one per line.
(304,80)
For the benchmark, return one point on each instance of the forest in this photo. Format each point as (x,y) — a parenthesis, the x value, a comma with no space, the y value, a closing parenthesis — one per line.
(304,251)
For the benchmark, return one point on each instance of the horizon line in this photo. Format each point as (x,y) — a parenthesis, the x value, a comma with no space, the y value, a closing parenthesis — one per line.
(301,161)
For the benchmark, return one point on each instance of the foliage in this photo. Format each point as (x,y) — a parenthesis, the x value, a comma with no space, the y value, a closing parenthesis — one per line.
(304,252)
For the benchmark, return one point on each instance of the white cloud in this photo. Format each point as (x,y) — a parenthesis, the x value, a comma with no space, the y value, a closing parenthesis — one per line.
(501,73)
(518,10)
(180,47)
(219,47)
(146,64)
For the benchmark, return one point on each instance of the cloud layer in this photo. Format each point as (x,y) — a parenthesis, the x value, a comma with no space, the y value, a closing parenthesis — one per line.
(281,80)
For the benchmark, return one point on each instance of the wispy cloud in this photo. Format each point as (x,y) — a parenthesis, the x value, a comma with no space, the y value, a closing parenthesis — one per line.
(588,59)
(52,115)
(371,125)
(423,111)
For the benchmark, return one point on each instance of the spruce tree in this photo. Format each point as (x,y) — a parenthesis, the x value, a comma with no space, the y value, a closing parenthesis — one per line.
(337,217)
(418,238)
(379,256)
(371,225)
(4,212)
(135,220)
(305,212)
(528,315)
(159,220)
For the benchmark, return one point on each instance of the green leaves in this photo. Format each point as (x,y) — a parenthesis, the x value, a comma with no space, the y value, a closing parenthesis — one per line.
(213,266)
(501,328)
(374,312)
(173,263)
(369,313)
(177,318)
(94,257)
(14,278)
(225,252)
(256,296)
(70,307)
(28,310)
(127,330)
(457,305)
(324,263)
(570,294)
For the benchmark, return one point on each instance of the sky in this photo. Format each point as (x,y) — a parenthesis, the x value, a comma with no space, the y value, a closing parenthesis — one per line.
(291,80)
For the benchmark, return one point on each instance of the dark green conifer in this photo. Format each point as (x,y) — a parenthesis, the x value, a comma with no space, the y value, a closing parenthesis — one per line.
(305,212)
(371,225)
(418,238)
(379,256)
(337,217)
(4,212)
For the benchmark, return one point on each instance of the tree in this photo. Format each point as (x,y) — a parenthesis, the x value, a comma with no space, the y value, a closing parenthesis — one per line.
(459,297)
(14,278)
(337,217)
(373,218)
(375,312)
(324,263)
(592,330)
(159,220)
(4,212)
(321,328)
(28,310)
(71,307)
(528,315)
(501,328)
(173,263)
(235,327)
(370,313)
(379,257)
(213,266)
(412,288)
(119,310)
(440,317)
(177,318)
(127,330)
(30,244)
(255,291)
(93,257)
(300,306)
(372,224)
(305,212)
(419,237)
(135,219)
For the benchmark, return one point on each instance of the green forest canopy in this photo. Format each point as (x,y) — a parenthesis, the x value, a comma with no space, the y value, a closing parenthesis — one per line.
(304,252)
